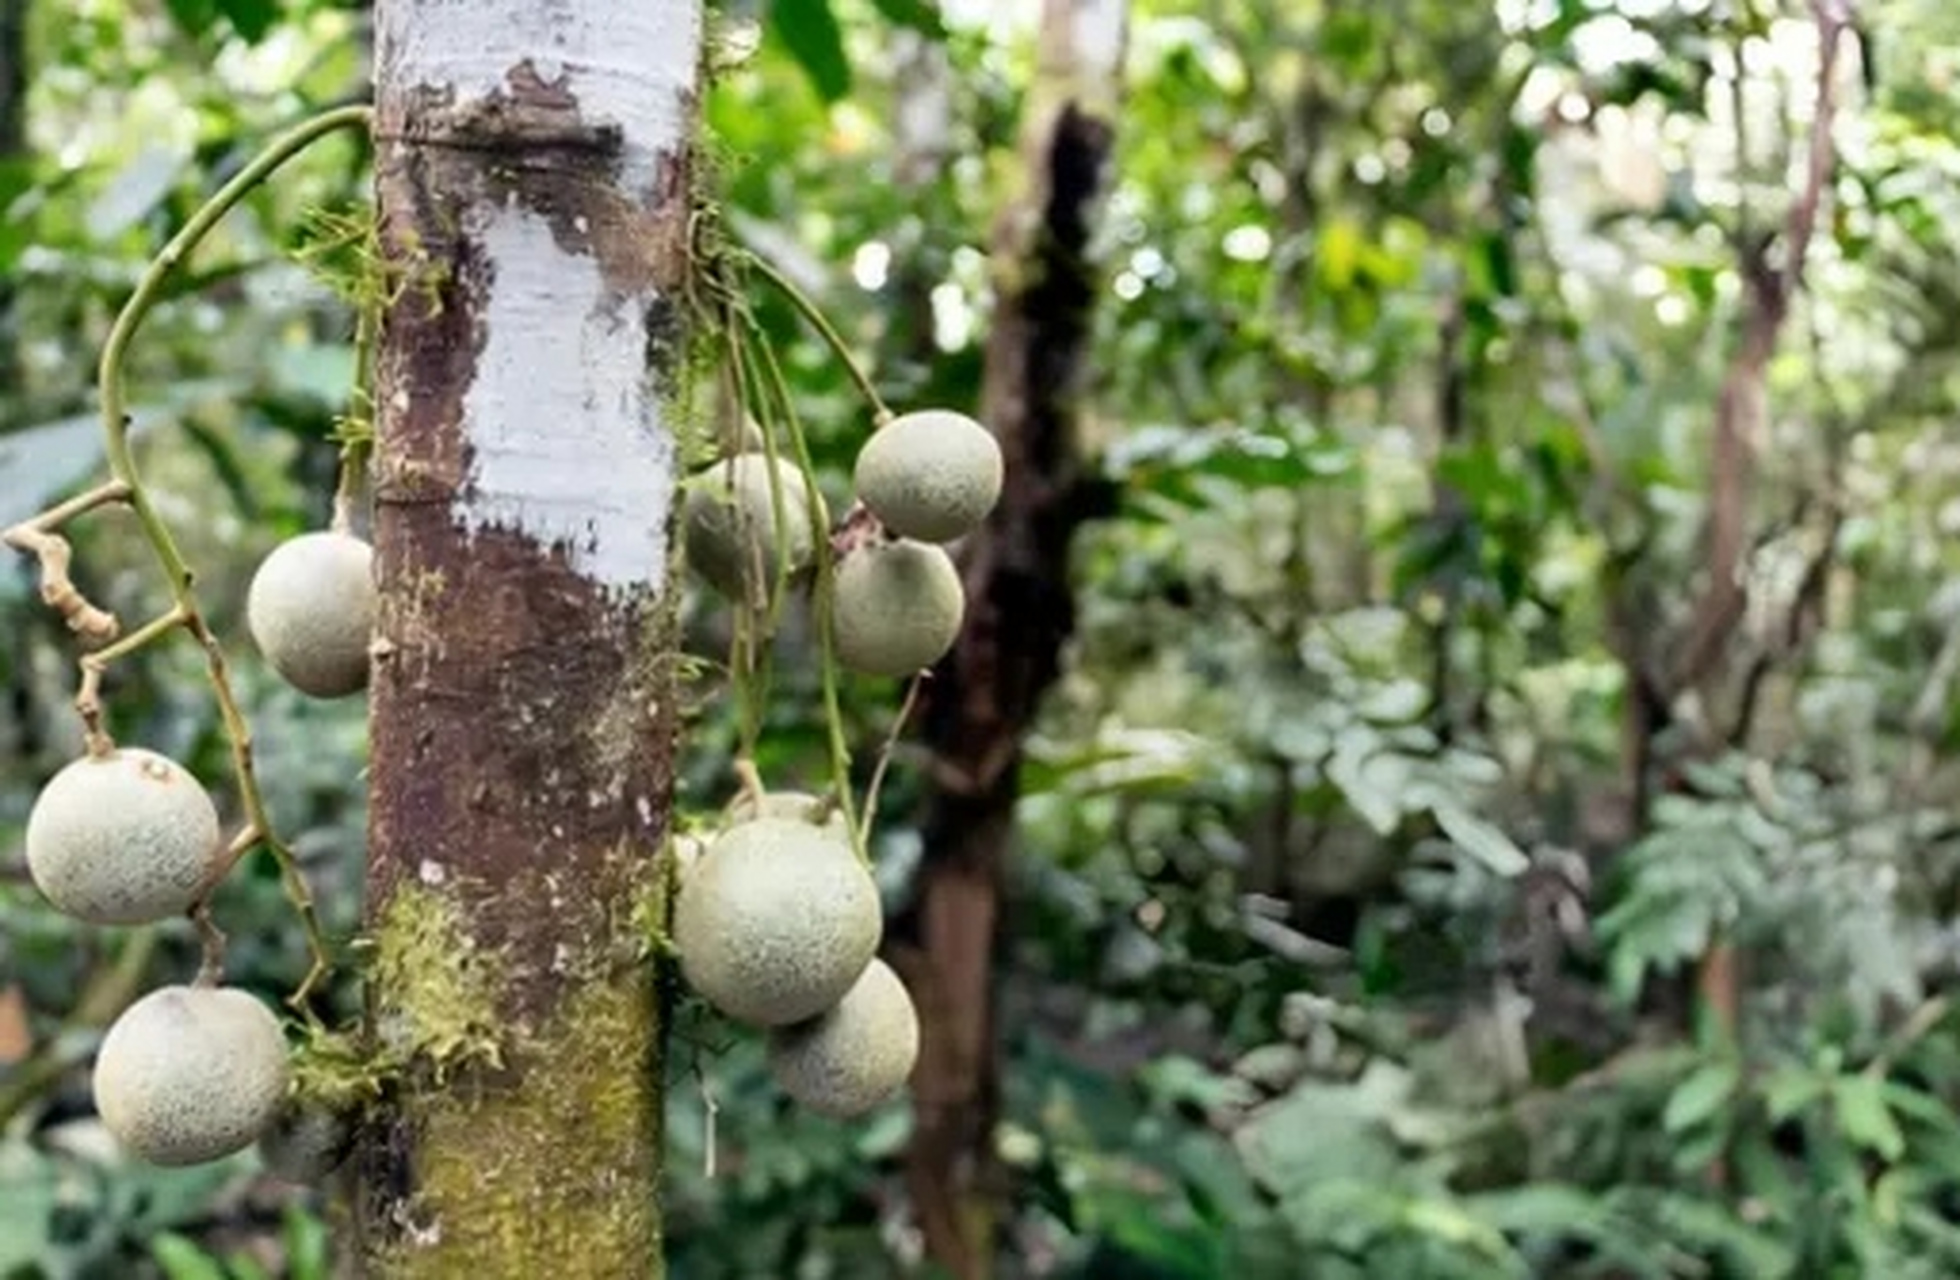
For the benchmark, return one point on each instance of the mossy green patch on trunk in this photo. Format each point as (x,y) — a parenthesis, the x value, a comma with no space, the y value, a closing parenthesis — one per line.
(436,989)
(577,1096)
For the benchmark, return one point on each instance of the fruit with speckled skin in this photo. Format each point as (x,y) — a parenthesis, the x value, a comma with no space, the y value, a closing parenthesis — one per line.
(730,519)
(191,1074)
(776,921)
(931,475)
(127,838)
(855,1056)
(896,607)
(311,612)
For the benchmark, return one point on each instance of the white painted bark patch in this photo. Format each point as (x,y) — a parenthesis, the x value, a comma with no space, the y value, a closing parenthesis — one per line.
(630,63)
(562,422)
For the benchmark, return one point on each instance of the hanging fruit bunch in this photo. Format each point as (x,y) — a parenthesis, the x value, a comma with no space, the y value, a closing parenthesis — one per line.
(125,836)
(778,919)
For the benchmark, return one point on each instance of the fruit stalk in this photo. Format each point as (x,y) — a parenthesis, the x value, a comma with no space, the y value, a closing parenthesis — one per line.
(88,699)
(38,538)
(817,320)
(821,597)
(177,574)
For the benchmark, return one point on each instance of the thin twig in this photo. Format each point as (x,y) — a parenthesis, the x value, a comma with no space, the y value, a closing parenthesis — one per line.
(821,601)
(122,465)
(359,442)
(88,698)
(212,969)
(885,754)
(92,625)
(809,310)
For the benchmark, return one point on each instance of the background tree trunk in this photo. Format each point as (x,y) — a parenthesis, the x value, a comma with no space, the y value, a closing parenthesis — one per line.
(13,151)
(532,173)
(985,694)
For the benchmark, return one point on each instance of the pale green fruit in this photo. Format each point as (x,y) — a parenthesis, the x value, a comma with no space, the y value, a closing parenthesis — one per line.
(311,611)
(124,839)
(306,1141)
(776,921)
(897,607)
(191,1074)
(931,475)
(730,518)
(855,1056)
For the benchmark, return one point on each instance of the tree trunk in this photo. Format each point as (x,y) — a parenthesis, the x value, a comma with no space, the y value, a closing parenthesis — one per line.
(984,696)
(13,151)
(532,171)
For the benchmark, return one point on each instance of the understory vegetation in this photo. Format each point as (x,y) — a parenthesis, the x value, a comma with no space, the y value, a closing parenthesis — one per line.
(1496,813)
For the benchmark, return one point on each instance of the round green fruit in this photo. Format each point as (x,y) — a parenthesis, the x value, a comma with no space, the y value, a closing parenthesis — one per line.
(897,607)
(857,1055)
(311,611)
(191,1074)
(776,921)
(126,838)
(931,475)
(730,520)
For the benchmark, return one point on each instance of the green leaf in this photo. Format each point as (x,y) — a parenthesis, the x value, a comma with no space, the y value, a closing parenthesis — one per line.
(29,1196)
(251,19)
(1481,840)
(809,30)
(1864,1118)
(919,15)
(1789,1090)
(194,17)
(306,1245)
(1552,1213)
(183,1260)
(1698,1098)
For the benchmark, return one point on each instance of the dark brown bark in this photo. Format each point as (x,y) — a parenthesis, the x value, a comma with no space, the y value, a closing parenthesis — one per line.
(985,695)
(523,740)
(14,77)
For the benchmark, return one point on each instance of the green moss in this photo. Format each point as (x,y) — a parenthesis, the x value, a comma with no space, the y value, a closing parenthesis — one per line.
(335,1070)
(437,988)
(578,1095)
(481,1205)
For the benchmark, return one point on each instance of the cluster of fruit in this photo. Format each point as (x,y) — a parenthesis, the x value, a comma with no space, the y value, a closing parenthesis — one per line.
(778,920)
(778,924)
(125,836)
(896,606)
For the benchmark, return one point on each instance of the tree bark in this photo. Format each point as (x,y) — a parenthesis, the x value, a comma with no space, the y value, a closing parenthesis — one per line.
(532,173)
(14,79)
(984,696)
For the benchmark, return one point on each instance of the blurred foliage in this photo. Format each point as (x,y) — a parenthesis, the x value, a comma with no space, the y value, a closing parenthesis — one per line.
(1339,946)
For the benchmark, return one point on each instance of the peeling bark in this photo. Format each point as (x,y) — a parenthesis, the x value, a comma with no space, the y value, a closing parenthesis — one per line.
(531,174)
(985,695)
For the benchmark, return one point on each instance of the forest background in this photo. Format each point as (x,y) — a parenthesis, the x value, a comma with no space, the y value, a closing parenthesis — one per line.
(1493,814)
